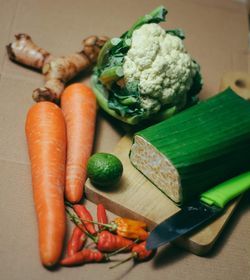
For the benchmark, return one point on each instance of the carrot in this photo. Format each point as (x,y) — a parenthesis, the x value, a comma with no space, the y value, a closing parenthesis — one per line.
(46,138)
(78,103)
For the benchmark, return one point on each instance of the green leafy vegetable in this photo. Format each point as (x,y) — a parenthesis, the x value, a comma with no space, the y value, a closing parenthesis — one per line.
(123,98)
(156,16)
(177,32)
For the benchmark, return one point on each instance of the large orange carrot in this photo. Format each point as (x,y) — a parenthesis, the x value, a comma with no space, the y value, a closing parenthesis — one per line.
(78,103)
(46,138)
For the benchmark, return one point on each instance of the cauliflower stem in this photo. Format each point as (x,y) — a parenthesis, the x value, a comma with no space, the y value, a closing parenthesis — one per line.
(146,73)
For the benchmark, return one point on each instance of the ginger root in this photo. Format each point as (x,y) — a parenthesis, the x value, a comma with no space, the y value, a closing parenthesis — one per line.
(56,70)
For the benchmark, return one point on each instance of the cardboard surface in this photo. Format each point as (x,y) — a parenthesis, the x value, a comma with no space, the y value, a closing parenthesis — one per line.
(216,37)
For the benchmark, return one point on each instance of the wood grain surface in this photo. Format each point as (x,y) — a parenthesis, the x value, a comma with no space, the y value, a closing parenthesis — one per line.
(136,197)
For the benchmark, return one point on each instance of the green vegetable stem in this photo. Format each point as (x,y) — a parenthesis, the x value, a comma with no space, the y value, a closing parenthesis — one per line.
(111,74)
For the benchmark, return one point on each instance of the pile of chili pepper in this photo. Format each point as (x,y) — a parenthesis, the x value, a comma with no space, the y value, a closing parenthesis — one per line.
(119,236)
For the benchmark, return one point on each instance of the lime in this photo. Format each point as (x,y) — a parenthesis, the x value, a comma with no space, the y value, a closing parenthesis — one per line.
(104,169)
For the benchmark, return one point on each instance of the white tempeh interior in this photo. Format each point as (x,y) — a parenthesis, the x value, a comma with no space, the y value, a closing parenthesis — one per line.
(156,167)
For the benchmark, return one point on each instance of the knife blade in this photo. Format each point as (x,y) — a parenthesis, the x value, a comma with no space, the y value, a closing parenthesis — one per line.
(200,212)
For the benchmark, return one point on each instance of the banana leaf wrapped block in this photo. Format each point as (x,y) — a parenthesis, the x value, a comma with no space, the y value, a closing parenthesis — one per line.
(196,149)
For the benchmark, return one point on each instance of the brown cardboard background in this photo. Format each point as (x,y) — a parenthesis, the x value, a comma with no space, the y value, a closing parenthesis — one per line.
(216,37)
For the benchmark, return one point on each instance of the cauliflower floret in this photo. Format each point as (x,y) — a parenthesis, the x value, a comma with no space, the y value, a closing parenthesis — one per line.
(159,64)
(151,105)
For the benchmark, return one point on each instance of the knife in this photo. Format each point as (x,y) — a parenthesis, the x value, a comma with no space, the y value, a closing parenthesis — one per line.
(199,212)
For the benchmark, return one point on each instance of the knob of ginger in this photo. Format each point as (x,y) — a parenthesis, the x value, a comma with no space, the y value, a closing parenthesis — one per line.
(56,70)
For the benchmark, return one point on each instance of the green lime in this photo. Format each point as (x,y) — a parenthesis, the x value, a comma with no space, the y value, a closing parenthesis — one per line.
(104,169)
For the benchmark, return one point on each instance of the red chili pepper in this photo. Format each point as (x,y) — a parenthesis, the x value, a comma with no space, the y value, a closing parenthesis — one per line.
(84,215)
(105,240)
(84,256)
(139,254)
(76,242)
(101,216)
(109,242)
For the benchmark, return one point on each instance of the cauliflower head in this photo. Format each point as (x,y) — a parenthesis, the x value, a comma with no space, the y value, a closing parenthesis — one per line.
(159,64)
(146,74)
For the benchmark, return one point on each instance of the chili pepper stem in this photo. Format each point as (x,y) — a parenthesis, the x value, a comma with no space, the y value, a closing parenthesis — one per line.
(118,251)
(77,222)
(112,225)
(122,249)
(123,261)
(68,204)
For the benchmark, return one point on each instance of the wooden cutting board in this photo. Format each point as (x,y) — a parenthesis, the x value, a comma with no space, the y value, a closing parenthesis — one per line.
(136,197)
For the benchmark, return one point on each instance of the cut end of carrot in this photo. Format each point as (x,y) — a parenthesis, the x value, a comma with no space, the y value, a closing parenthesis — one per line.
(78,87)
